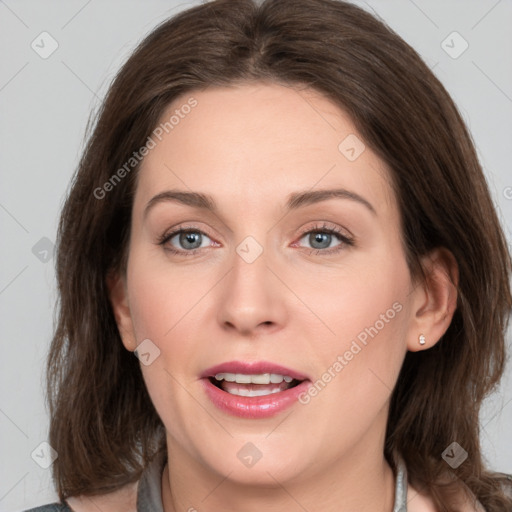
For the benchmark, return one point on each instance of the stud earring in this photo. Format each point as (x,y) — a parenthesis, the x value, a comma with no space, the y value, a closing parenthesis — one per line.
(422,339)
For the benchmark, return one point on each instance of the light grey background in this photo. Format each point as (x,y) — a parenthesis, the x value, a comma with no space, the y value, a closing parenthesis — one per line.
(45,104)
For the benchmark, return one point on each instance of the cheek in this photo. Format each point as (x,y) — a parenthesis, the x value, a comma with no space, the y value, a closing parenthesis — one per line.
(162,295)
(361,300)
(165,306)
(365,311)
(161,307)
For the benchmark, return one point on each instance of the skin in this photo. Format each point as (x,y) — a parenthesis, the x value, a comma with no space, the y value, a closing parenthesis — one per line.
(250,147)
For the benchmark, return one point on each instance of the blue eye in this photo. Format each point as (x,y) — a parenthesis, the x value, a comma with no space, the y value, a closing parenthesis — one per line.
(321,237)
(192,240)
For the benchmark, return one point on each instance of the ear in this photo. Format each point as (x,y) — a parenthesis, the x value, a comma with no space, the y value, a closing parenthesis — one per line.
(434,300)
(118,296)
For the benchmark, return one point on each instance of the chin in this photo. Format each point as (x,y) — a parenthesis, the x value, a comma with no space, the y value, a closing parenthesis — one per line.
(257,461)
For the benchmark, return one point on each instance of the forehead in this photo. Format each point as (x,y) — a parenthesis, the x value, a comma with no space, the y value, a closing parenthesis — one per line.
(258,143)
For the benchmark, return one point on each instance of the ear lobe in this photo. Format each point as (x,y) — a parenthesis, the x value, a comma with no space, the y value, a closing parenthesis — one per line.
(435,300)
(118,296)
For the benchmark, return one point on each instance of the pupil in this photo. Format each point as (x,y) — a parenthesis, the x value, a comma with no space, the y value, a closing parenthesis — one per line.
(318,238)
(187,238)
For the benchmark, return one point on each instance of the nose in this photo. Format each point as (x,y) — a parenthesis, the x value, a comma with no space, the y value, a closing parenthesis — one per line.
(253,298)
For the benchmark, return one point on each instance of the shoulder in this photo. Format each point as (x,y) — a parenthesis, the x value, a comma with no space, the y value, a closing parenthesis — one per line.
(51,507)
(124,499)
(506,486)
(419,502)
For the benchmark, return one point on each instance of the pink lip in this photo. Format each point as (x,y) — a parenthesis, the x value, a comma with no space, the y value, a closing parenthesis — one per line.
(252,368)
(258,406)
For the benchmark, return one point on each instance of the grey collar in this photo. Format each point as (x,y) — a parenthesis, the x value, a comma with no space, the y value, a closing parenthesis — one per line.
(400,486)
(149,495)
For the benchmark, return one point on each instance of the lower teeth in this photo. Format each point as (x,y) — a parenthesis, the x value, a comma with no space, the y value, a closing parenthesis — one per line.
(251,390)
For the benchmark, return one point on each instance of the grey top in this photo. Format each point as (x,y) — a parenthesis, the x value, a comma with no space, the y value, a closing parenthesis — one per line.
(149,498)
(149,495)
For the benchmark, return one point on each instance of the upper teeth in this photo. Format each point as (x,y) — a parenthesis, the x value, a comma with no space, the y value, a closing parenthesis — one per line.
(261,378)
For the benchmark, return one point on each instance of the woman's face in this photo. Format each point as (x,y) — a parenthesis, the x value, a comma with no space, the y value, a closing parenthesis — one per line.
(275,271)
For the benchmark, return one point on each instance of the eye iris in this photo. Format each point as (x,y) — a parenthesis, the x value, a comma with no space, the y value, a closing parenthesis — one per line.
(317,237)
(190,237)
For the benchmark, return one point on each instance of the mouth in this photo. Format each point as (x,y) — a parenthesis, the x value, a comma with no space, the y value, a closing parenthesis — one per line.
(252,385)
(253,390)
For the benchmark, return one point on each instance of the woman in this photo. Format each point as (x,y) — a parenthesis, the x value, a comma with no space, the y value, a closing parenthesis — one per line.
(281,214)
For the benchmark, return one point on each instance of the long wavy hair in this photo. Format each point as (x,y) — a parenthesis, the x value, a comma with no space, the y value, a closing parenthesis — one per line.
(102,421)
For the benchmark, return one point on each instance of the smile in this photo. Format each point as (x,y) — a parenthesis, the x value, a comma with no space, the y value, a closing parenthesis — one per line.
(253,390)
(253,385)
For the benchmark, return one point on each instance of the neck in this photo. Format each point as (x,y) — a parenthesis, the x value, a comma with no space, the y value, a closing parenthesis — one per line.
(359,481)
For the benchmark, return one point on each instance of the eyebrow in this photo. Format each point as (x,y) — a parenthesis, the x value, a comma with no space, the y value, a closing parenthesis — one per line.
(295,200)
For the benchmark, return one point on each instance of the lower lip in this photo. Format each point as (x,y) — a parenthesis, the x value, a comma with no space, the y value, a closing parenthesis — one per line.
(254,407)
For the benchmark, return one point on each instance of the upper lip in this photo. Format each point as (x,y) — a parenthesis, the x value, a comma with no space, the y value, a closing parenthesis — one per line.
(252,368)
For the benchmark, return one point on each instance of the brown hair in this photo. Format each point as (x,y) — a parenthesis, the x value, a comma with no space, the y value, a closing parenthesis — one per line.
(103,424)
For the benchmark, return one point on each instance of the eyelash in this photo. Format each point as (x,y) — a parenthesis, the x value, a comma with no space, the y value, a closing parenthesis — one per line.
(346,240)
